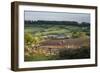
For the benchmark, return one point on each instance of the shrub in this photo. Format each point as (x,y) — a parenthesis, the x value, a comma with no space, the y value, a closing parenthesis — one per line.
(74,53)
(28,38)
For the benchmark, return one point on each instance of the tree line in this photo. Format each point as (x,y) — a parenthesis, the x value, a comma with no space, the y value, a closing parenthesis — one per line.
(72,23)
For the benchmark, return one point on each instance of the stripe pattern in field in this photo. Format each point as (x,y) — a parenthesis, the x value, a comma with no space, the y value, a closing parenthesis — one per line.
(65,43)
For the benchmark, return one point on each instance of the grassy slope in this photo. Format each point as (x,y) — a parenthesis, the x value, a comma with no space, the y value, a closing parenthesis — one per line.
(55,29)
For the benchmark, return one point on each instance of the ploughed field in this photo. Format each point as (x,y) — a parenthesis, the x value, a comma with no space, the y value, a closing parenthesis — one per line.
(56,42)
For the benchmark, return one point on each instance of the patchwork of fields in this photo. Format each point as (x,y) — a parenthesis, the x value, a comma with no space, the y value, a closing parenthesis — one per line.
(56,41)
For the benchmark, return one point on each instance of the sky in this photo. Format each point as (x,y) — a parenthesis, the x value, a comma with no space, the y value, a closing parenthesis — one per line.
(56,16)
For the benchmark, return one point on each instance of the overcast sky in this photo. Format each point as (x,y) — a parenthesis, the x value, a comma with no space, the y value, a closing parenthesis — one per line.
(57,16)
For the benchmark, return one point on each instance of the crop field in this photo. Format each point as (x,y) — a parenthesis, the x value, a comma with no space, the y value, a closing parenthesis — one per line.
(52,40)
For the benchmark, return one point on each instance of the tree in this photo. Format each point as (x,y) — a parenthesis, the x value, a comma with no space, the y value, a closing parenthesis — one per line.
(79,35)
(37,38)
(75,34)
(28,38)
